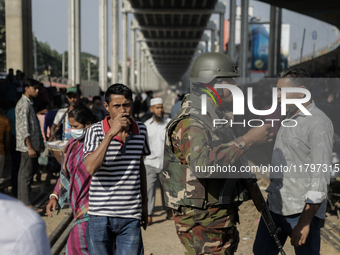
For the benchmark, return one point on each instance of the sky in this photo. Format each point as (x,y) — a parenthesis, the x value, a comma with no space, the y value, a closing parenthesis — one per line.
(50,24)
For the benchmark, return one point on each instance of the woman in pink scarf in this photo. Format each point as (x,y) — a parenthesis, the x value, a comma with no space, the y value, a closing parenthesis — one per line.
(74,182)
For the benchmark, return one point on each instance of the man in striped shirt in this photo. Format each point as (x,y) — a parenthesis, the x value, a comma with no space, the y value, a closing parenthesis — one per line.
(114,150)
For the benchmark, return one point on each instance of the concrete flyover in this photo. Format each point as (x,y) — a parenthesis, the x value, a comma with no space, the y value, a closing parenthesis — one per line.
(169,36)
(325,10)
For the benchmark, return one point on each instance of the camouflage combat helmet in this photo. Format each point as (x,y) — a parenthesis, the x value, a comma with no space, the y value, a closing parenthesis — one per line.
(211,65)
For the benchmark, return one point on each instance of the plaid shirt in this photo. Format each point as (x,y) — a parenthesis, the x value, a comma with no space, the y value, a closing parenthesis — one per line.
(26,124)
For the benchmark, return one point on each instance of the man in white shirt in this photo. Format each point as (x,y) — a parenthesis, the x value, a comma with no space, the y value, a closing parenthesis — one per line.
(154,163)
(297,199)
(73,97)
(22,229)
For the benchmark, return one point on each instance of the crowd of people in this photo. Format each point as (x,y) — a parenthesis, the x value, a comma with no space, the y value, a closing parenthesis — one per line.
(114,158)
(35,115)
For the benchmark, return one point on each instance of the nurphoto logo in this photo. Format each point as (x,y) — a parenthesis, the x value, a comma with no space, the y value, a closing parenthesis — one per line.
(238,104)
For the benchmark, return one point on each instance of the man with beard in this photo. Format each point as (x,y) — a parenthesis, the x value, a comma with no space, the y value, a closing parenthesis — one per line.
(297,199)
(154,162)
(61,118)
(206,207)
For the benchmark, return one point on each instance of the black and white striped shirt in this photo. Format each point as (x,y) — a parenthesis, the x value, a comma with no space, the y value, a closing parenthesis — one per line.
(115,188)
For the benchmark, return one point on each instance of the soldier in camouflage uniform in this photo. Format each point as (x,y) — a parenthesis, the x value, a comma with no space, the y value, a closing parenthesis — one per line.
(206,209)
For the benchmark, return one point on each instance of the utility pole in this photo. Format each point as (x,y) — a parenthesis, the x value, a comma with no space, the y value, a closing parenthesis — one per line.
(88,70)
(35,58)
(63,65)
(303,42)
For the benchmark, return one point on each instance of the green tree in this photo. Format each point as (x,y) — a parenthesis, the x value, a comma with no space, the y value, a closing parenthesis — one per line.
(48,59)
(84,64)
(85,57)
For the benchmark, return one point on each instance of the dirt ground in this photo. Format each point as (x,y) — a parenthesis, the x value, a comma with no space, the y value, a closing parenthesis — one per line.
(160,238)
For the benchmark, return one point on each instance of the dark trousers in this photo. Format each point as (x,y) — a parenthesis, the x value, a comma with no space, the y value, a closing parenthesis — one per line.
(25,177)
(264,244)
(15,158)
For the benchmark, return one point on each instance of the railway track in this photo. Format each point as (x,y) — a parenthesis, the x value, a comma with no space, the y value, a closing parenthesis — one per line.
(59,236)
(331,234)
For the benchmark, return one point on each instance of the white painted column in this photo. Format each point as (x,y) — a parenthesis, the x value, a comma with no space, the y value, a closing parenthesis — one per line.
(132,54)
(103,45)
(124,45)
(115,41)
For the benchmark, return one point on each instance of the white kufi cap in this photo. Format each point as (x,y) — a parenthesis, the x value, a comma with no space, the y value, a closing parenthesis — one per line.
(155,101)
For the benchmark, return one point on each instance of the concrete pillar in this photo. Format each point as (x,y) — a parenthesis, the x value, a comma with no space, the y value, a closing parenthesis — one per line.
(142,78)
(74,68)
(36,59)
(213,39)
(271,49)
(145,70)
(232,19)
(154,80)
(278,40)
(89,70)
(69,43)
(138,62)
(243,62)
(19,40)
(115,41)
(145,84)
(148,82)
(78,42)
(132,56)
(124,45)
(63,65)
(222,30)
(103,44)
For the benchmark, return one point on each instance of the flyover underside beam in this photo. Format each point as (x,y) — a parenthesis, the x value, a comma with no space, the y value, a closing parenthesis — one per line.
(180,56)
(171,61)
(174,40)
(150,28)
(171,34)
(172,49)
(175,11)
(168,65)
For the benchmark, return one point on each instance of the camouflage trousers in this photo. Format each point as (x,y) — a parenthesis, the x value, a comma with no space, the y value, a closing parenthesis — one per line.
(211,231)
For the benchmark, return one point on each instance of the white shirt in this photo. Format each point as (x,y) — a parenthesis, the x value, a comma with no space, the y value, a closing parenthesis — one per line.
(156,134)
(66,124)
(22,230)
(310,143)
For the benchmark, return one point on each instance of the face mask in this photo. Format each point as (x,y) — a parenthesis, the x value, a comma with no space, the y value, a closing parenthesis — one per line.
(78,133)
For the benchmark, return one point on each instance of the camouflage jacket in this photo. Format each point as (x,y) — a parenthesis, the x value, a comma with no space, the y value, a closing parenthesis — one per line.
(191,140)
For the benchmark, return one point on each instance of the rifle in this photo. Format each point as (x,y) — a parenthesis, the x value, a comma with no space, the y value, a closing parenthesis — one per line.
(261,205)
